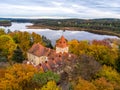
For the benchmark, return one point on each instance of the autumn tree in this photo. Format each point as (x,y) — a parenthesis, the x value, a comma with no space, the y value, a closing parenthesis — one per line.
(73,46)
(103,84)
(25,40)
(82,84)
(111,75)
(42,78)
(18,77)
(36,38)
(51,85)
(100,50)
(2,72)
(2,32)
(104,54)
(7,46)
(118,60)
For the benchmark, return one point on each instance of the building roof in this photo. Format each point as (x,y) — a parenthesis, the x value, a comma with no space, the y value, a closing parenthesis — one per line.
(39,50)
(62,42)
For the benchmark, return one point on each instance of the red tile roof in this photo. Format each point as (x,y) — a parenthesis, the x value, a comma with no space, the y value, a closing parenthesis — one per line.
(62,42)
(48,66)
(39,67)
(45,67)
(50,62)
(39,50)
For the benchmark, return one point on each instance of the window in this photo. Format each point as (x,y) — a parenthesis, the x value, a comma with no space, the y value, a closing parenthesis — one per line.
(59,55)
(52,58)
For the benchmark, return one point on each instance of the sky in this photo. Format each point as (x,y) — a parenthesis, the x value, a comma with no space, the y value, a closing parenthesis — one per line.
(83,9)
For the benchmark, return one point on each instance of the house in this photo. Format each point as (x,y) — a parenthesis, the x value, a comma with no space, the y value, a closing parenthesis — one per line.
(48,59)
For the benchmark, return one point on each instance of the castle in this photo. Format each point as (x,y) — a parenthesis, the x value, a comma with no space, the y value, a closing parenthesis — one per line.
(48,59)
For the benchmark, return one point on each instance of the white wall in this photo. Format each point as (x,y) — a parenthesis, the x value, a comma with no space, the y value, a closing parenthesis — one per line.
(35,59)
(62,50)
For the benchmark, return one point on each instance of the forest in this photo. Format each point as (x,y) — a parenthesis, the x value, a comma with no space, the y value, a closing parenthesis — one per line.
(97,66)
(5,23)
(99,26)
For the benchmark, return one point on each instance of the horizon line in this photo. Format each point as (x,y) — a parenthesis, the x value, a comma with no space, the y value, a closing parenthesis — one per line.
(46,17)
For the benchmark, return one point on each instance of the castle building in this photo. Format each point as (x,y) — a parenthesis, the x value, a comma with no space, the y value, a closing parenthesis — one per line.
(38,54)
(61,45)
(48,59)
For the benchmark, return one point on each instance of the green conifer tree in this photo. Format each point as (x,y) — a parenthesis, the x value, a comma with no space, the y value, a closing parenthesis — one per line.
(18,55)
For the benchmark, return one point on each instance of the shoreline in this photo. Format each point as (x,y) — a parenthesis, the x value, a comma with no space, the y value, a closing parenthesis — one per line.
(100,32)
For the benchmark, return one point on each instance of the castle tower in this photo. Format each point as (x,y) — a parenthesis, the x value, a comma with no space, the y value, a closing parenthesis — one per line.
(61,45)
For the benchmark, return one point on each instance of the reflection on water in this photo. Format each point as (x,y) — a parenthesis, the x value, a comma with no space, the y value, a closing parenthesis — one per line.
(54,35)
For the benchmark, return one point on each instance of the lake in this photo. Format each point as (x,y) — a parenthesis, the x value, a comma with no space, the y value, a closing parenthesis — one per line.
(53,35)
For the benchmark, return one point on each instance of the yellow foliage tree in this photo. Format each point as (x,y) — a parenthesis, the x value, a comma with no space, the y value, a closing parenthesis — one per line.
(102,53)
(51,85)
(109,73)
(7,45)
(17,77)
(77,47)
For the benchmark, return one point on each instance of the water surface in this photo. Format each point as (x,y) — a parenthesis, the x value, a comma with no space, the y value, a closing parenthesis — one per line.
(53,35)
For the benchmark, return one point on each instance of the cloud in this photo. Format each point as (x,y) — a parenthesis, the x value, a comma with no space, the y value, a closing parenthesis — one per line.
(60,8)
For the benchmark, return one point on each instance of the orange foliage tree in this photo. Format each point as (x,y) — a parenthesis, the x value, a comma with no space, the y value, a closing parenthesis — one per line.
(17,77)
(103,84)
(83,85)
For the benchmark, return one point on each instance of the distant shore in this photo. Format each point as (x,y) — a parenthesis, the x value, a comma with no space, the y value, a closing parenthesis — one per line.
(5,23)
(101,32)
